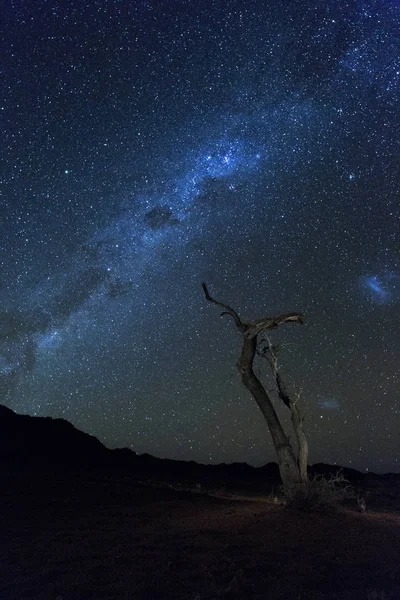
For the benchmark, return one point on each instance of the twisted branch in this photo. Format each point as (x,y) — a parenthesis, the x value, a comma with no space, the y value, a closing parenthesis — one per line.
(228,310)
(252,329)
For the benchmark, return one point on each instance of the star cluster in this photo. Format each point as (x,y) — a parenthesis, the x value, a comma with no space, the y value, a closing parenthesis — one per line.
(149,146)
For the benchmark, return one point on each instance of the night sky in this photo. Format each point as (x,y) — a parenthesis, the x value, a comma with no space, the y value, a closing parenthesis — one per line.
(151,145)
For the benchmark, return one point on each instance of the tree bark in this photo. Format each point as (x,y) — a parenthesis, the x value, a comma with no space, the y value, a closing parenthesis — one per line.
(288,466)
(296,416)
(302,444)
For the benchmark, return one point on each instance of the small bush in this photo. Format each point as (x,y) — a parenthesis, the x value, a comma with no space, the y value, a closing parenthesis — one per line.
(318,493)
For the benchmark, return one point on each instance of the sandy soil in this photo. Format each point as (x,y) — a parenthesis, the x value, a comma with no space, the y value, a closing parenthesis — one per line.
(79,538)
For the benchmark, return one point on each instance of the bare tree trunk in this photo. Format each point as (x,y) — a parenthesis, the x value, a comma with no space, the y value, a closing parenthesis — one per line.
(288,467)
(296,416)
(302,444)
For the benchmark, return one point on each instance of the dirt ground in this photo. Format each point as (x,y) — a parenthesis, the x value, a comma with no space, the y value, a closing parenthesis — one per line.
(110,538)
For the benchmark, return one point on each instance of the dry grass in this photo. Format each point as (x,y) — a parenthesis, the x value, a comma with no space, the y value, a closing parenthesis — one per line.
(111,539)
(319,493)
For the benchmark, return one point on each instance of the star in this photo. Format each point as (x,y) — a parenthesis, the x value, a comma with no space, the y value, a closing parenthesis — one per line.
(254,147)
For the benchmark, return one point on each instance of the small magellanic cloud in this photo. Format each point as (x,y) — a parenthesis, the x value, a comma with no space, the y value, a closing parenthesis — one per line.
(329,403)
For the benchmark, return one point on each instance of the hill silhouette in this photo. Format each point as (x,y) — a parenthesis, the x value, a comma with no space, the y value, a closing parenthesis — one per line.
(39,443)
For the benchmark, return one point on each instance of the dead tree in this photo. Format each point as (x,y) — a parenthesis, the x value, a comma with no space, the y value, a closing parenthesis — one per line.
(292,468)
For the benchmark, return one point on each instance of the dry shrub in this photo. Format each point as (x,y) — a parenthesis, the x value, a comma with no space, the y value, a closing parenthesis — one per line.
(318,493)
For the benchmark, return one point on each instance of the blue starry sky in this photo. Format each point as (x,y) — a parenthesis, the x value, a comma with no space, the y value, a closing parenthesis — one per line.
(150,145)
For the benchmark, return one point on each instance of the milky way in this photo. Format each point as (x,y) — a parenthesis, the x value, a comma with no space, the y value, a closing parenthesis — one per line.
(149,146)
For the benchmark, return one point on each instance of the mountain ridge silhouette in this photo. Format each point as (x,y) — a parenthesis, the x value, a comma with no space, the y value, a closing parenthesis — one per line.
(40,443)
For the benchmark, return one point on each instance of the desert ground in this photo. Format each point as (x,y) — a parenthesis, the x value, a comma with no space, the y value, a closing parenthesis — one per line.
(80,537)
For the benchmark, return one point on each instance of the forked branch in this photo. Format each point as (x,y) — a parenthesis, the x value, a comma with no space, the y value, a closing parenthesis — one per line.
(228,310)
(252,329)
